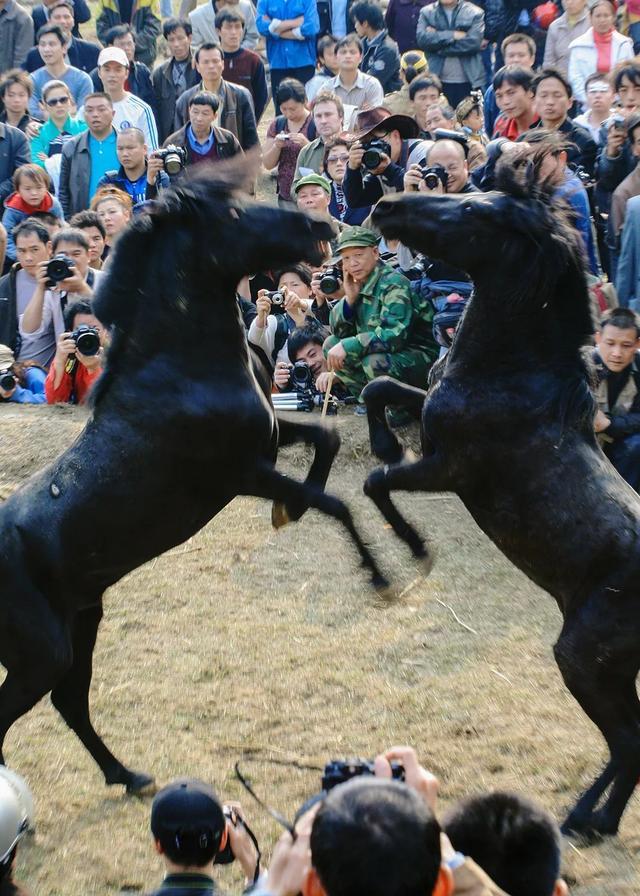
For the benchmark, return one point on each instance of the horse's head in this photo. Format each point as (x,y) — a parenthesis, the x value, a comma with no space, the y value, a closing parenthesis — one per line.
(201,238)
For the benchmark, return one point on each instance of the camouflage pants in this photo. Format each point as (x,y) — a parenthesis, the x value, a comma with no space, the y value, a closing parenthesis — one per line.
(410,366)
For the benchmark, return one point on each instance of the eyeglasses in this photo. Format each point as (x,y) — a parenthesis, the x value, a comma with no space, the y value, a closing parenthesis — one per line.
(344,158)
(58,101)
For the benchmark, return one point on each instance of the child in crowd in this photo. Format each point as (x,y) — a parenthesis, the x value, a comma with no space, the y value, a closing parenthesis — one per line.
(600,94)
(471,120)
(31,196)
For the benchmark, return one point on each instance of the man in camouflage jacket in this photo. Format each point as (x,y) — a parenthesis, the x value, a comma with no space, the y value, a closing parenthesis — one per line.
(379,327)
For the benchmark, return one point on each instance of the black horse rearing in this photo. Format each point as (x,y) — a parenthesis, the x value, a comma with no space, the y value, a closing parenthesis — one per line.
(509,428)
(180,427)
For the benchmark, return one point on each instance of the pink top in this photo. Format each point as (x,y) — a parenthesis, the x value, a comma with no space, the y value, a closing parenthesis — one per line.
(603,47)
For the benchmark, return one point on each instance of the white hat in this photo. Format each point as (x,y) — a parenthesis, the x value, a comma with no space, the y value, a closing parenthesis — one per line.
(22,791)
(13,820)
(113,54)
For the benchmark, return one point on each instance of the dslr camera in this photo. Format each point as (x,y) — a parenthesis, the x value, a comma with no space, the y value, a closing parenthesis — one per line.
(87,340)
(225,855)
(337,771)
(7,380)
(331,279)
(300,378)
(374,152)
(277,301)
(59,268)
(433,176)
(174,158)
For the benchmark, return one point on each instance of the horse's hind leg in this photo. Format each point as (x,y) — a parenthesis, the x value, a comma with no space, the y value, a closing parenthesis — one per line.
(427,474)
(267,482)
(326,442)
(378,395)
(71,698)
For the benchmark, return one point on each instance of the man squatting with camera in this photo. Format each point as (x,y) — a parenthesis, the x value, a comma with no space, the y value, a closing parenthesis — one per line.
(60,319)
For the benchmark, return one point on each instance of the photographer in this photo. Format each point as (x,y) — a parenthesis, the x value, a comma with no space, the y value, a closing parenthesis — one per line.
(281,311)
(190,830)
(44,313)
(21,383)
(139,176)
(383,148)
(73,373)
(305,345)
(446,161)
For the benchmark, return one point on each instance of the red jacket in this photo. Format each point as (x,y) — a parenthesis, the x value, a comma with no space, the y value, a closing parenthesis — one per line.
(73,386)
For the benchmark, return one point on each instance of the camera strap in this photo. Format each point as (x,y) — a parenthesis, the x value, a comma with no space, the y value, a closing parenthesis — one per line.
(282,821)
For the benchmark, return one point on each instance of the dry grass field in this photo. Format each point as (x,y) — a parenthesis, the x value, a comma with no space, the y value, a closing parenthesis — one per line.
(246,642)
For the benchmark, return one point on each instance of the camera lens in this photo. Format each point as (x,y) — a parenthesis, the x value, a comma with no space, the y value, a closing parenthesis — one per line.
(277,298)
(329,283)
(7,381)
(59,268)
(431,181)
(87,342)
(172,163)
(371,158)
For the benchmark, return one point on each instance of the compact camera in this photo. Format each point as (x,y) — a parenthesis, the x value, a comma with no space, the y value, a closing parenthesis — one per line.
(337,771)
(277,301)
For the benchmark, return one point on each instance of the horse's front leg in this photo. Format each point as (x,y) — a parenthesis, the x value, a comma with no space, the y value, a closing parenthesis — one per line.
(425,475)
(326,442)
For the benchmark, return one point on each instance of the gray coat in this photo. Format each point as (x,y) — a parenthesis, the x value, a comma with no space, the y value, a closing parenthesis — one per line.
(75,175)
(16,36)
(14,151)
(440,44)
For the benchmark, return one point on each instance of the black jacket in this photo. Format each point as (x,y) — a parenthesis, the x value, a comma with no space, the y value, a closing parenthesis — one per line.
(9,334)
(622,424)
(81,13)
(226,143)
(583,149)
(83,54)
(14,151)
(186,885)
(363,188)
(236,112)
(166,97)
(139,84)
(382,60)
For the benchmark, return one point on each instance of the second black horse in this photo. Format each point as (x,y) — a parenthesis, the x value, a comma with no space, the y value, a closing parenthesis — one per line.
(508,427)
(180,427)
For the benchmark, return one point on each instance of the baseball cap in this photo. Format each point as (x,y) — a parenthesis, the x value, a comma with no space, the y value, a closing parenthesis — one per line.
(189,806)
(113,54)
(357,237)
(315,180)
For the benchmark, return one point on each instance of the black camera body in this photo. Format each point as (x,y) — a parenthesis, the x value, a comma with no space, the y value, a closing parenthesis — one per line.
(7,380)
(374,151)
(331,279)
(174,158)
(225,855)
(59,268)
(300,378)
(337,771)
(277,301)
(433,175)
(87,340)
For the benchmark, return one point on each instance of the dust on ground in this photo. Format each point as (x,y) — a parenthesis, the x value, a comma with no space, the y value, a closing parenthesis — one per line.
(246,642)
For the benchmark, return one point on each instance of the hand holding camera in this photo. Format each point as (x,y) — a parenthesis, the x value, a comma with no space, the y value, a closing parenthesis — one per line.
(238,842)
(61,273)
(282,375)
(412,178)
(264,306)
(154,166)
(434,179)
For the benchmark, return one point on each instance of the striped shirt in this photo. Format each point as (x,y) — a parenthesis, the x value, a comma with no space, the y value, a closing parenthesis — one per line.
(132,112)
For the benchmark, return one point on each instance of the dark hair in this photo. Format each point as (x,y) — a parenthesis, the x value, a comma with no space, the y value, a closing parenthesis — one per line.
(290,89)
(515,841)
(30,225)
(68,4)
(98,95)
(390,830)
(52,29)
(15,76)
(622,319)
(47,219)
(519,38)
(422,83)
(349,40)
(79,307)
(327,40)
(171,25)
(628,70)
(205,98)
(228,15)
(517,75)
(70,235)
(300,270)
(117,31)
(545,74)
(209,45)
(301,336)
(338,140)
(85,219)
(370,12)
(32,172)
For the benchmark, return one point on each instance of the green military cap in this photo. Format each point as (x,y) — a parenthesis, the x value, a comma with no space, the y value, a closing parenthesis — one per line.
(357,236)
(312,180)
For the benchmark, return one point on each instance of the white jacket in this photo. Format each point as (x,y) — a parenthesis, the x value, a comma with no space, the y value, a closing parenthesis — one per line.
(204,30)
(583,59)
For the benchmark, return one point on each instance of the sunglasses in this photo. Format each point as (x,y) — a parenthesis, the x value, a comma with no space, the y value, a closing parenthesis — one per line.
(58,101)
(344,158)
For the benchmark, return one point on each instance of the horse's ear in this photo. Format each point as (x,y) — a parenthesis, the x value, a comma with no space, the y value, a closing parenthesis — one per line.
(115,302)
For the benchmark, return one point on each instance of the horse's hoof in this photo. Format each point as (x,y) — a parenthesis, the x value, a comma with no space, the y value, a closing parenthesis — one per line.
(385,592)
(582,832)
(279,515)
(427,561)
(138,782)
